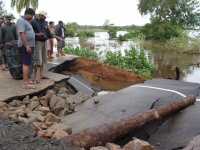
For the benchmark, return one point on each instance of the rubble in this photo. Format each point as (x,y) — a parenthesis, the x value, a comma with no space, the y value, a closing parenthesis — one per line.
(44,112)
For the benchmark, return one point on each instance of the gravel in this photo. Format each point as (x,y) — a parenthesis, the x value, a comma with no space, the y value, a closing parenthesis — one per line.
(22,137)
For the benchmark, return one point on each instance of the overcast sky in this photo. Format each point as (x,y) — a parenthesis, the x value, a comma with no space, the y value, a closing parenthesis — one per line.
(90,12)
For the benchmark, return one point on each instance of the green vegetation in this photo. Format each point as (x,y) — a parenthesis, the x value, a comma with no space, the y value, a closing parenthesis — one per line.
(131,36)
(3,12)
(21,4)
(183,13)
(161,31)
(133,60)
(112,31)
(71,29)
(85,34)
(183,44)
(84,52)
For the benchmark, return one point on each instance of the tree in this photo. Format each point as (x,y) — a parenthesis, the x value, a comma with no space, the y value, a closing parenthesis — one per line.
(20,4)
(184,13)
(106,24)
(3,12)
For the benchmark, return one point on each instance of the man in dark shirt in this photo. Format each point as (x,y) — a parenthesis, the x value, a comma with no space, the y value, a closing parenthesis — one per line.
(42,34)
(61,32)
(1,44)
(9,33)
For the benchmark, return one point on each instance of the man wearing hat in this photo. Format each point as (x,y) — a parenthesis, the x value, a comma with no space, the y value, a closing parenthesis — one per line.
(9,33)
(42,34)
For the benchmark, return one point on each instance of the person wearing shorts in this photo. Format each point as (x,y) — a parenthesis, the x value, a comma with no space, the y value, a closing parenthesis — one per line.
(61,32)
(26,44)
(42,34)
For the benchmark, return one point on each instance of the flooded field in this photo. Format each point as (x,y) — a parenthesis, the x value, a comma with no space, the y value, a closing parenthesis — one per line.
(165,62)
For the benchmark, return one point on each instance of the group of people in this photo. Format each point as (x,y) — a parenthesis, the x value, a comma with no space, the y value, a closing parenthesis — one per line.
(35,42)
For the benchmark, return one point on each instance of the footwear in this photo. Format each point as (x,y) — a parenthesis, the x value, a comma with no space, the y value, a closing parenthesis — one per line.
(62,53)
(34,82)
(44,77)
(29,86)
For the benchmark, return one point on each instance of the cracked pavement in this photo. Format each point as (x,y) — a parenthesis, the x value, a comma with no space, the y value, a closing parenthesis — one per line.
(170,133)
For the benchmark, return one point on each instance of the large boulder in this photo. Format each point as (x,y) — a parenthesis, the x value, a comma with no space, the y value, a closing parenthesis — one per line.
(111,146)
(44,110)
(56,110)
(34,98)
(59,134)
(26,100)
(137,144)
(45,99)
(65,112)
(35,116)
(2,104)
(33,105)
(52,118)
(60,126)
(54,100)
(16,103)
(98,148)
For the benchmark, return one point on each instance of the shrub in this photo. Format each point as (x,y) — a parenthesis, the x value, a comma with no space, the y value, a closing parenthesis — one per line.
(85,34)
(84,52)
(183,44)
(70,33)
(131,36)
(134,61)
(112,31)
(161,31)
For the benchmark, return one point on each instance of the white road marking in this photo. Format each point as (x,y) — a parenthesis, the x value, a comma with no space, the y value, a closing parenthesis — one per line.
(162,89)
(54,63)
(73,78)
(82,84)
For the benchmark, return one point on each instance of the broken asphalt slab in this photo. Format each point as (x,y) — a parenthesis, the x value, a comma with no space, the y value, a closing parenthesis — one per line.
(136,99)
(12,88)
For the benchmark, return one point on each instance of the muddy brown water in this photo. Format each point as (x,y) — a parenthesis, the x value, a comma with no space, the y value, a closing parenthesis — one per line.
(164,61)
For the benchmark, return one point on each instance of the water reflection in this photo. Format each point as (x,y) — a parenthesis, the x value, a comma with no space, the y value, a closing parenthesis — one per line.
(164,62)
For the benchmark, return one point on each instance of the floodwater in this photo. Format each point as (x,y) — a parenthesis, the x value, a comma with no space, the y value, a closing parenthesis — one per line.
(165,62)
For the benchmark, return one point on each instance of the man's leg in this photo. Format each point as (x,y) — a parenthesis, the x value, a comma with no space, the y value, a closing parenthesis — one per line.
(37,58)
(25,75)
(44,61)
(41,70)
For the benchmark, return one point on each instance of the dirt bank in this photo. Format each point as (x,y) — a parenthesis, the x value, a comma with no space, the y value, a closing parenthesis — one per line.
(95,71)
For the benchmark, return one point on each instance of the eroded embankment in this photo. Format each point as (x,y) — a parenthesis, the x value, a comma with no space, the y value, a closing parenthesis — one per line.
(105,76)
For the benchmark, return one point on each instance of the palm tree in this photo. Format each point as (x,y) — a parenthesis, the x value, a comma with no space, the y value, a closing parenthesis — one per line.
(20,4)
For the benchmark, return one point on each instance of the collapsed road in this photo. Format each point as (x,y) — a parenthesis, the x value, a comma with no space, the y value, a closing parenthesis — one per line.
(174,132)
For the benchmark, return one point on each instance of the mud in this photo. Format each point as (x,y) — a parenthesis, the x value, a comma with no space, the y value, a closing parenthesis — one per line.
(96,72)
(22,137)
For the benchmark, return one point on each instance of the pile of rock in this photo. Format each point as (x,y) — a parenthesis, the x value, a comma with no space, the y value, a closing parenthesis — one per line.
(136,144)
(44,112)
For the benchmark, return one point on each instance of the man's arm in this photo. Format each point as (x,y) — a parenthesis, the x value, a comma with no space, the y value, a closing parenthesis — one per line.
(53,36)
(15,32)
(22,36)
(3,33)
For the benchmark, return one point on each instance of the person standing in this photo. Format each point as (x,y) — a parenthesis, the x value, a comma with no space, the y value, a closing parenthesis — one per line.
(51,40)
(61,32)
(42,34)
(1,45)
(9,33)
(26,44)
